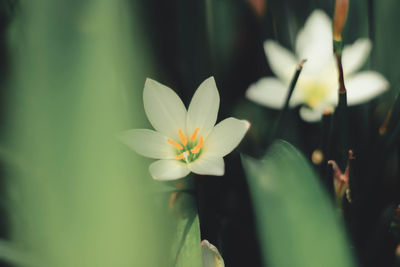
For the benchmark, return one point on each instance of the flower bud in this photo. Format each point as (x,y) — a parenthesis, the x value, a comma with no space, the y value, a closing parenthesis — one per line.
(341,180)
(210,255)
(339,18)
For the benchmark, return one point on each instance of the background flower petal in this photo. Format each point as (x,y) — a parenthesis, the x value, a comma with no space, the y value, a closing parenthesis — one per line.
(168,169)
(208,165)
(225,136)
(210,255)
(203,109)
(364,86)
(311,115)
(148,143)
(270,92)
(282,62)
(164,109)
(314,42)
(355,55)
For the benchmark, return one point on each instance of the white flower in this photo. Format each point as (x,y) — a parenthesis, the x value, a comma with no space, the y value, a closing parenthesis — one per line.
(184,141)
(317,87)
(210,255)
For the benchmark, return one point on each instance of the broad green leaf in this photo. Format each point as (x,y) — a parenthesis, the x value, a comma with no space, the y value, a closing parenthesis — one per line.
(77,197)
(297,224)
(186,248)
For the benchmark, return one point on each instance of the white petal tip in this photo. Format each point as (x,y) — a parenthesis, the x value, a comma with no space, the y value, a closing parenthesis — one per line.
(205,242)
(247,124)
(148,80)
(222,173)
(270,45)
(310,115)
(150,83)
(269,42)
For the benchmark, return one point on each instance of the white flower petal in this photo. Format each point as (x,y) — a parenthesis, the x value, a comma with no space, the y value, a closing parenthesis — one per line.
(270,92)
(314,42)
(168,169)
(210,255)
(311,115)
(203,109)
(164,109)
(364,86)
(282,62)
(225,136)
(148,143)
(208,165)
(355,55)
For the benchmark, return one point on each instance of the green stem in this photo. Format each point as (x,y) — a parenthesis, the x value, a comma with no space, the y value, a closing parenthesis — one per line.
(371,27)
(326,148)
(285,108)
(210,29)
(340,117)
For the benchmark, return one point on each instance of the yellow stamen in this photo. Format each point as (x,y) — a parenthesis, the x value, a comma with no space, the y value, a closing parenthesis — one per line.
(197,148)
(183,137)
(178,146)
(181,156)
(194,134)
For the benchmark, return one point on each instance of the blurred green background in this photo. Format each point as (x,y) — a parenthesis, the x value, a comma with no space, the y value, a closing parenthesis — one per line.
(71,77)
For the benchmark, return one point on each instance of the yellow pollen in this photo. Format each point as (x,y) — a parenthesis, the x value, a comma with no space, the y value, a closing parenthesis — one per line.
(194,134)
(197,148)
(217,261)
(178,146)
(181,156)
(183,137)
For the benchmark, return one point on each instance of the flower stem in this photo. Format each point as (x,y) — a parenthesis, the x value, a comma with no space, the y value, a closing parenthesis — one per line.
(390,128)
(326,148)
(371,26)
(340,117)
(285,108)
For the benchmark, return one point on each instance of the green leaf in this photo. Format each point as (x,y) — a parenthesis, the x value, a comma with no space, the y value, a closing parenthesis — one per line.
(77,196)
(296,221)
(186,248)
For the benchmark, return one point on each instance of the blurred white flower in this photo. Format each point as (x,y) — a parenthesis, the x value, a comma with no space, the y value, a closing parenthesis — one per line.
(317,87)
(210,255)
(184,141)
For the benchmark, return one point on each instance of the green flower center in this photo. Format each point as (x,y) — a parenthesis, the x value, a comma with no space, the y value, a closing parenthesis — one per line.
(188,150)
(314,94)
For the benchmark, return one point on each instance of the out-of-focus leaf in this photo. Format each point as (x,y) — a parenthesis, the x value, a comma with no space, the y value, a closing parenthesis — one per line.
(14,255)
(80,198)
(296,222)
(386,41)
(186,248)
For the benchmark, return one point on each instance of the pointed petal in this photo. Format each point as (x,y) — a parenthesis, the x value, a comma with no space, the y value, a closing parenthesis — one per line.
(208,165)
(148,143)
(203,109)
(168,169)
(310,115)
(270,92)
(225,136)
(314,42)
(355,55)
(210,255)
(364,86)
(164,109)
(282,62)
